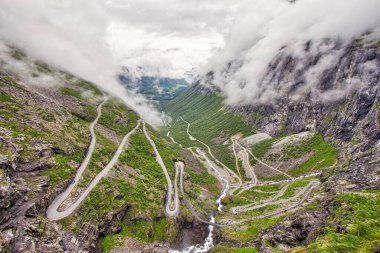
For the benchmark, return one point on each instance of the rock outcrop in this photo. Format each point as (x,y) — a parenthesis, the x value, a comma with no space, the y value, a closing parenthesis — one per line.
(349,120)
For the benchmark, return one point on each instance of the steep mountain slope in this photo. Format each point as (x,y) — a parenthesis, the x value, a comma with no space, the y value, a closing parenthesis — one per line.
(44,138)
(298,174)
(350,123)
(326,131)
(210,121)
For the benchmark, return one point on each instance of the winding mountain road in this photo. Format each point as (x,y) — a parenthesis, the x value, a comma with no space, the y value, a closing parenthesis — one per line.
(304,191)
(263,163)
(52,211)
(250,171)
(267,202)
(180,166)
(169,209)
(172,205)
(280,210)
(220,177)
(243,155)
(240,182)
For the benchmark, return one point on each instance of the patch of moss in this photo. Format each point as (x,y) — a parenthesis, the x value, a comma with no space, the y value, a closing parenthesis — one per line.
(62,171)
(5,98)
(103,153)
(261,148)
(230,249)
(71,92)
(209,120)
(323,155)
(359,226)
(118,117)
(89,86)
(204,179)
(249,231)
(142,230)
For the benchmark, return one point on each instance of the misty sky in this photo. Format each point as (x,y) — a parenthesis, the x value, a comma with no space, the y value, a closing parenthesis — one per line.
(93,38)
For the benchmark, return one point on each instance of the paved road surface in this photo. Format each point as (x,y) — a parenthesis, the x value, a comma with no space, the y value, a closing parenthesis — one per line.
(169,198)
(52,212)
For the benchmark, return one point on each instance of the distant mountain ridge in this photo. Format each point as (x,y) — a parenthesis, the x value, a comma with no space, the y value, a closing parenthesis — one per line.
(157,89)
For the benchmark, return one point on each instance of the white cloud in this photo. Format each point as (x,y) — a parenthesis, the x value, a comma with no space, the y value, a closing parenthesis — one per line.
(265,26)
(92,38)
(70,35)
(160,54)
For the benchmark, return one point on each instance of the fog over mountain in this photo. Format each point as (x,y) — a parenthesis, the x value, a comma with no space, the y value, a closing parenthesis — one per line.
(93,39)
(264,27)
(189,126)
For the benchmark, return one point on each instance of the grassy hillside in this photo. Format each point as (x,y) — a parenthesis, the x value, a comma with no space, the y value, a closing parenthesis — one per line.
(207,115)
(44,136)
(210,122)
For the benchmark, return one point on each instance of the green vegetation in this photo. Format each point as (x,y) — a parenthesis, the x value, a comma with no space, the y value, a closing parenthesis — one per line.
(261,148)
(178,132)
(205,113)
(71,92)
(296,186)
(103,153)
(140,186)
(210,123)
(168,151)
(118,118)
(136,184)
(249,231)
(353,227)
(87,86)
(323,155)
(142,192)
(204,179)
(62,171)
(320,154)
(66,137)
(140,156)
(261,211)
(226,249)
(224,154)
(142,230)
(78,92)
(113,111)
(80,87)
(114,194)
(248,197)
(273,178)
(5,98)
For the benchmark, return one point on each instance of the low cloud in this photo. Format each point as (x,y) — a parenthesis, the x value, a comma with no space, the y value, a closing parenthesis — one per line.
(237,39)
(94,38)
(70,35)
(265,27)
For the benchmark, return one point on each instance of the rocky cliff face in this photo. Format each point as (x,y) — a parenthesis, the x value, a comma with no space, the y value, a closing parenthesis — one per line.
(26,154)
(45,115)
(349,118)
(342,104)
(329,88)
(44,135)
